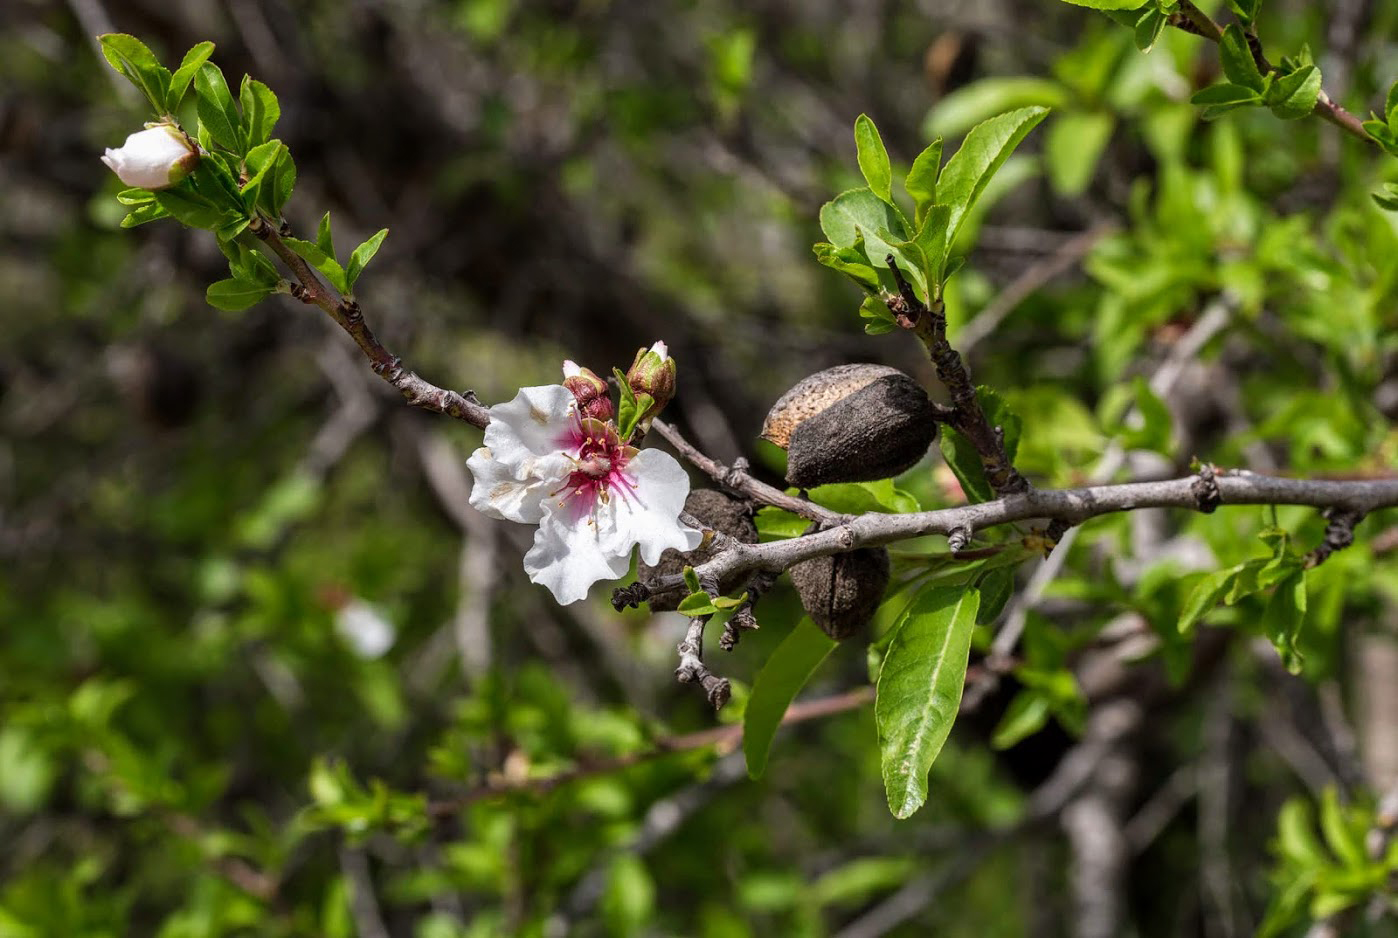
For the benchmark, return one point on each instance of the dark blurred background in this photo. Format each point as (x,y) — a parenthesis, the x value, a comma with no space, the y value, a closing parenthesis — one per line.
(239,580)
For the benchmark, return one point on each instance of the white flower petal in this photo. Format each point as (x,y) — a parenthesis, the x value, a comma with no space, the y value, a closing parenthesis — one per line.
(151,158)
(538,422)
(567,556)
(497,493)
(648,514)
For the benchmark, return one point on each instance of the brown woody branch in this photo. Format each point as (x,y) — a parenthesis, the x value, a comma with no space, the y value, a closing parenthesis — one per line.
(347,315)
(966,416)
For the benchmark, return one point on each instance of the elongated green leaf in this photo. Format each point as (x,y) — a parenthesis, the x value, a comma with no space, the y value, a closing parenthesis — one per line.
(235,295)
(873,158)
(1246,9)
(919,690)
(217,112)
(1294,96)
(1108,4)
(192,209)
(961,457)
(1205,596)
(1073,144)
(983,152)
(179,82)
(151,211)
(1344,841)
(848,261)
(787,670)
(276,192)
(1238,64)
(1283,616)
(362,255)
(1148,29)
(981,100)
(260,110)
(860,212)
(1026,715)
(129,56)
(321,261)
(921,181)
(325,239)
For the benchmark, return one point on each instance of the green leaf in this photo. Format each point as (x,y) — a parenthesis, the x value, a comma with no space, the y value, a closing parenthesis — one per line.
(260,110)
(362,255)
(1390,107)
(129,56)
(787,670)
(1296,839)
(1388,198)
(235,295)
(1294,96)
(779,524)
(1217,100)
(179,82)
(873,158)
(1205,596)
(967,106)
(876,315)
(217,112)
(698,603)
(857,498)
(921,182)
(324,239)
(1108,4)
(962,459)
(1346,843)
(135,196)
(1073,144)
(313,255)
(261,162)
(1246,9)
(848,261)
(141,214)
(1238,64)
(860,213)
(1283,616)
(1148,29)
(983,152)
(191,208)
(1026,715)
(919,690)
(996,586)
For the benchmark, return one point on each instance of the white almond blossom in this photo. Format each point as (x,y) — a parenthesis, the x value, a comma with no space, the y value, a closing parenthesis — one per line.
(154,158)
(593,497)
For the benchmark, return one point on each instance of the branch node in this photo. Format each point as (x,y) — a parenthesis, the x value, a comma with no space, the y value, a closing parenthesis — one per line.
(1339,534)
(630,597)
(299,291)
(1207,497)
(959,538)
(693,670)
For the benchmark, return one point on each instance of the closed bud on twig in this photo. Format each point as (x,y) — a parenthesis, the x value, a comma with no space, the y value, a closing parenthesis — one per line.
(841,592)
(851,423)
(589,390)
(154,158)
(653,373)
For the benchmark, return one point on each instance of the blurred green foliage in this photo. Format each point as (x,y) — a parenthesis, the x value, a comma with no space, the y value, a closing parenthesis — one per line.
(194,742)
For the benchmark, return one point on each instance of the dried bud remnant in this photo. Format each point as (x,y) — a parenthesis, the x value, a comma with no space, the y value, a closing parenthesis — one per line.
(851,423)
(842,591)
(720,513)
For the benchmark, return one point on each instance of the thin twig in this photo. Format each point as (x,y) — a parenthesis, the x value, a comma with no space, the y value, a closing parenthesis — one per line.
(736,478)
(1191,19)
(347,314)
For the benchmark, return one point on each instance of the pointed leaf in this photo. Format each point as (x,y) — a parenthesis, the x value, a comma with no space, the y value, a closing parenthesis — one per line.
(1294,96)
(260,110)
(1283,616)
(983,152)
(362,255)
(235,295)
(1238,63)
(324,239)
(787,670)
(873,158)
(921,181)
(1109,4)
(919,690)
(217,112)
(129,56)
(179,82)
(321,261)
(1205,596)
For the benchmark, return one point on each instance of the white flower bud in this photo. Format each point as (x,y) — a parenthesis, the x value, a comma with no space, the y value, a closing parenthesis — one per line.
(154,158)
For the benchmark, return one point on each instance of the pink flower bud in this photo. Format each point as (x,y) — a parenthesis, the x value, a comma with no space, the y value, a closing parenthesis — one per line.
(154,158)
(589,390)
(653,373)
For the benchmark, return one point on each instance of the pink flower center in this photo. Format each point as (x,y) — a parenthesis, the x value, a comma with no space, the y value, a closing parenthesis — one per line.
(600,459)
